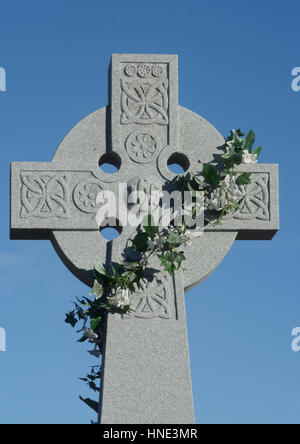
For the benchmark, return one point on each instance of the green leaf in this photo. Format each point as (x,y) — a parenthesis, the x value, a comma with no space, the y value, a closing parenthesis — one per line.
(93,386)
(257,151)
(83,339)
(210,174)
(70,319)
(167,263)
(179,258)
(239,133)
(232,158)
(149,227)
(95,323)
(81,301)
(100,269)
(171,261)
(173,237)
(92,404)
(233,134)
(181,183)
(244,179)
(132,276)
(249,141)
(130,265)
(140,242)
(126,308)
(148,221)
(97,290)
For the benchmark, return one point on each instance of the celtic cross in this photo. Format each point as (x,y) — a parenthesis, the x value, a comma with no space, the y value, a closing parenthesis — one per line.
(146,371)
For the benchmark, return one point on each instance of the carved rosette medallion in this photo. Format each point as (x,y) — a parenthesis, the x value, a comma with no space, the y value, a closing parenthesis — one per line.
(130,70)
(143,146)
(85,195)
(144,70)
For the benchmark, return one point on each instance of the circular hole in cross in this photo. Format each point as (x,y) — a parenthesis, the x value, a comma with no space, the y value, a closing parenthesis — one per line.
(178,163)
(110,229)
(110,163)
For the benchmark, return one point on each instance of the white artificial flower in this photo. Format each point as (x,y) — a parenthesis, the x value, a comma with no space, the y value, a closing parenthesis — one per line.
(217,199)
(248,157)
(120,298)
(159,241)
(151,245)
(185,239)
(228,190)
(230,186)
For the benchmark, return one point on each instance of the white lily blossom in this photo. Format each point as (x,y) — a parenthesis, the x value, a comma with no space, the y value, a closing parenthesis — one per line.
(248,157)
(151,244)
(120,299)
(228,190)
(186,239)
(230,186)
(158,242)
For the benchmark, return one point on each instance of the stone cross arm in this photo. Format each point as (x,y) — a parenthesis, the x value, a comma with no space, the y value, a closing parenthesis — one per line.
(57,196)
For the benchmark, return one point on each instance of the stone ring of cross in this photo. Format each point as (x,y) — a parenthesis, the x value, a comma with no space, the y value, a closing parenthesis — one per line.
(141,132)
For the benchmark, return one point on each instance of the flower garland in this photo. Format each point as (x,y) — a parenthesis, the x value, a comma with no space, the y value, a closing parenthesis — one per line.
(115,283)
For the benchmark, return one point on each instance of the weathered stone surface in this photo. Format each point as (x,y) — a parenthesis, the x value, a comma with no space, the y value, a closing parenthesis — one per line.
(146,364)
(146,371)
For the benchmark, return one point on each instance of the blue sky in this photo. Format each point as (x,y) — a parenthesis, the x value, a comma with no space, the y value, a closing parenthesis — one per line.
(235,63)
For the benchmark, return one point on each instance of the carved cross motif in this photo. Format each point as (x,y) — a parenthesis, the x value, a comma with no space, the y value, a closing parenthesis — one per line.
(143,130)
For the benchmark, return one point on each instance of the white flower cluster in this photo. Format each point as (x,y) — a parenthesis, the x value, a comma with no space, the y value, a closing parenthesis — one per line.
(248,157)
(185,239)
(228,191)
(120,299)
(158,242)
(188,235)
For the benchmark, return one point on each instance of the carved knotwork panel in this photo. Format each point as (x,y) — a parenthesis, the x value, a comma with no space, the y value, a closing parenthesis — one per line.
(153,300)
(144,102)
(144,112)
(62,195)
(44,195)
(256,199)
